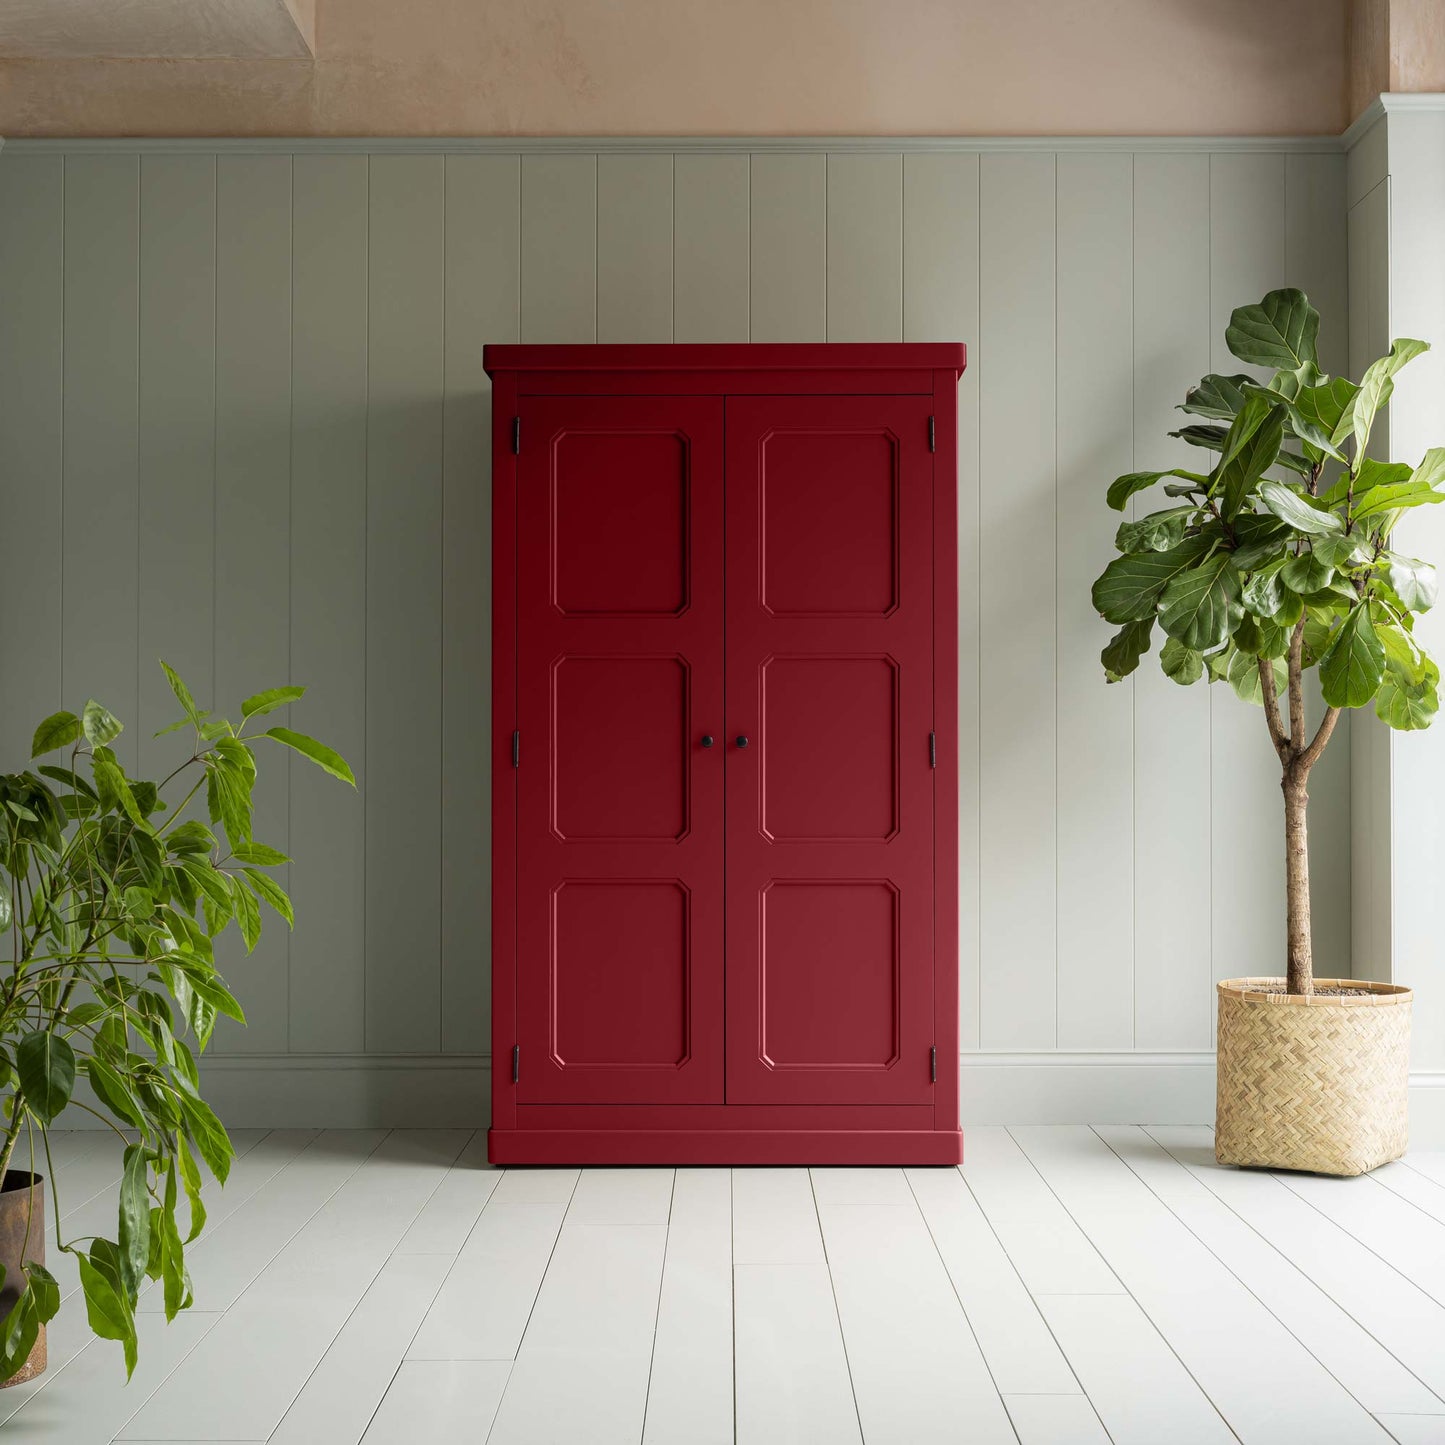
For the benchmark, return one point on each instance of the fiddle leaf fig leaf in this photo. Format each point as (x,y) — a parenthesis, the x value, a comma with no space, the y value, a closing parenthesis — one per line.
(1129,588)
(1155,533)
(1121,656)
(1200,606)
(1289,506)
(1353,663)
(1218,396)
(1122,488)
(1376,386)
(1413,581)
(1181,664)
(1279,331)
(1250,448)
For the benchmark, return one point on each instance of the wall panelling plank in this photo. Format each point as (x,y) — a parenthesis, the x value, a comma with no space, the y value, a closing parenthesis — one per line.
(253,541)
(101,504)
(789,251)
(710,248)
(1018,787)
(177,445)
(634,247)
(1172,959)
(865,248)
(1093,365)
(32,315)
(328,599)
(559,248)
(404,605)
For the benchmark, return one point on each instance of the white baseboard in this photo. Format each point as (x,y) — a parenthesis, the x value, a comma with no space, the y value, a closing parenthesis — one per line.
(1427,1109)
(1095,1087)
(451,1091)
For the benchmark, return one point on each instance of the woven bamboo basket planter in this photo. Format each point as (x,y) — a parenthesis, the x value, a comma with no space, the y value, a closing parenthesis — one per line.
(1316,1083)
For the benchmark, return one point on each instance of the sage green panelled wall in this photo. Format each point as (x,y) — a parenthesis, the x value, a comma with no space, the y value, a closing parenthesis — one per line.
(244,428)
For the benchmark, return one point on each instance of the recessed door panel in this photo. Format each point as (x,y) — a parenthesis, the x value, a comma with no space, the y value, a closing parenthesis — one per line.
(620,807)
(620,520)
(830,798)
(620,965)
(621,754)
(825,937)
(830,768)
(830,522)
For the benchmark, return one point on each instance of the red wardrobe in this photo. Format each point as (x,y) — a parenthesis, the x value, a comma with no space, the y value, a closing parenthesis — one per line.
(724,879)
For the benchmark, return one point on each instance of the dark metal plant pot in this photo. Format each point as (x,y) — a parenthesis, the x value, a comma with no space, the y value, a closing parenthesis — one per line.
(22,1214)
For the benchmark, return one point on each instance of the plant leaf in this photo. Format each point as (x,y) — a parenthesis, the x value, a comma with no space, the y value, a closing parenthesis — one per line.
(270,700)
(1278,331)
(135,1220)
(1129,588)
(212,1142)
(1155,533)
(1181,664)
(1249,451)
(1353,663)
(1218,396)
(100,725)
(269,891)
(45,1064)
(183,695)
(1412,581)
(1289,506)
(1377,384)
(326,758)
(261,855)
(191,1182)
(1199,607)
(1122,653)
(59,730)
(105,1308)
(1378,500)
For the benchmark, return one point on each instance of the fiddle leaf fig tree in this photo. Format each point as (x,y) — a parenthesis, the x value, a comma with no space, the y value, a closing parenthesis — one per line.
(1276,556)
(113,892)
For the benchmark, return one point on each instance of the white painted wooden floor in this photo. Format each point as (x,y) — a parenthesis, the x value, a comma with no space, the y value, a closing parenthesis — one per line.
(1067,1286)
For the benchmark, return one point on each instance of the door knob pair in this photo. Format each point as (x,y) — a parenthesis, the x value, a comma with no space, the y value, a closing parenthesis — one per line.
(742,741)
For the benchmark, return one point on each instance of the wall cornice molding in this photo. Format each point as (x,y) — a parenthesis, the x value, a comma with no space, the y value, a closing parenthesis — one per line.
(658,145)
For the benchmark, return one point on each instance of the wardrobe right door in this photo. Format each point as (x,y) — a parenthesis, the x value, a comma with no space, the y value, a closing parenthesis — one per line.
(829,785)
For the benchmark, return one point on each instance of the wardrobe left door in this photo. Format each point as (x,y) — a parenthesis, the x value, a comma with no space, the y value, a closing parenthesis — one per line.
(619,750)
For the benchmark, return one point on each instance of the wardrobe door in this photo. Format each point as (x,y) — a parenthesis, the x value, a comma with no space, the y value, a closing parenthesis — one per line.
(620,802)
(829,781)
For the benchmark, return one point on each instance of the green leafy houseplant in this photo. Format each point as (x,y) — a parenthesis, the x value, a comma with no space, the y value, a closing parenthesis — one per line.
(1277,557)
(113,898)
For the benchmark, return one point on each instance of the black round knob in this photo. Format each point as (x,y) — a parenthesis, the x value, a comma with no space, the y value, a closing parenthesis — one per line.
(707,740)
(742,741)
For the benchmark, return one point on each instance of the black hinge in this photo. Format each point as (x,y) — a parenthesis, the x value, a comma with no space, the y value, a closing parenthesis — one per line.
(517,750)
(933,1065)
(932,435)
(933,750)
(516,1063)
(517,435)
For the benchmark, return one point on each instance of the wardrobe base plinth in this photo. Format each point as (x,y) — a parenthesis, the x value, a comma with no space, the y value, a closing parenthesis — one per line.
(725,1146)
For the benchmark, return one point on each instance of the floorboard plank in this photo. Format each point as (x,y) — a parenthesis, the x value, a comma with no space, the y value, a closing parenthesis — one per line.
(581,1373)
(483,1307)
(622,1196)
(1047,1247)
(450,1215)
(1415,1429)
(1413,1187)
(792,1373)
(775,1219)
(1055,1420)
(1220,1331)
(918,1375)
(690,1392)
(440,1402)
(1021,1353)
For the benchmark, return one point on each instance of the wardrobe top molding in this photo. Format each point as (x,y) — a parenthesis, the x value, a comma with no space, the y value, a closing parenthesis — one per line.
(912,362)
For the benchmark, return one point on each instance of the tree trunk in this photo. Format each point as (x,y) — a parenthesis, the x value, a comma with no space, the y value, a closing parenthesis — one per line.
(1297,876)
